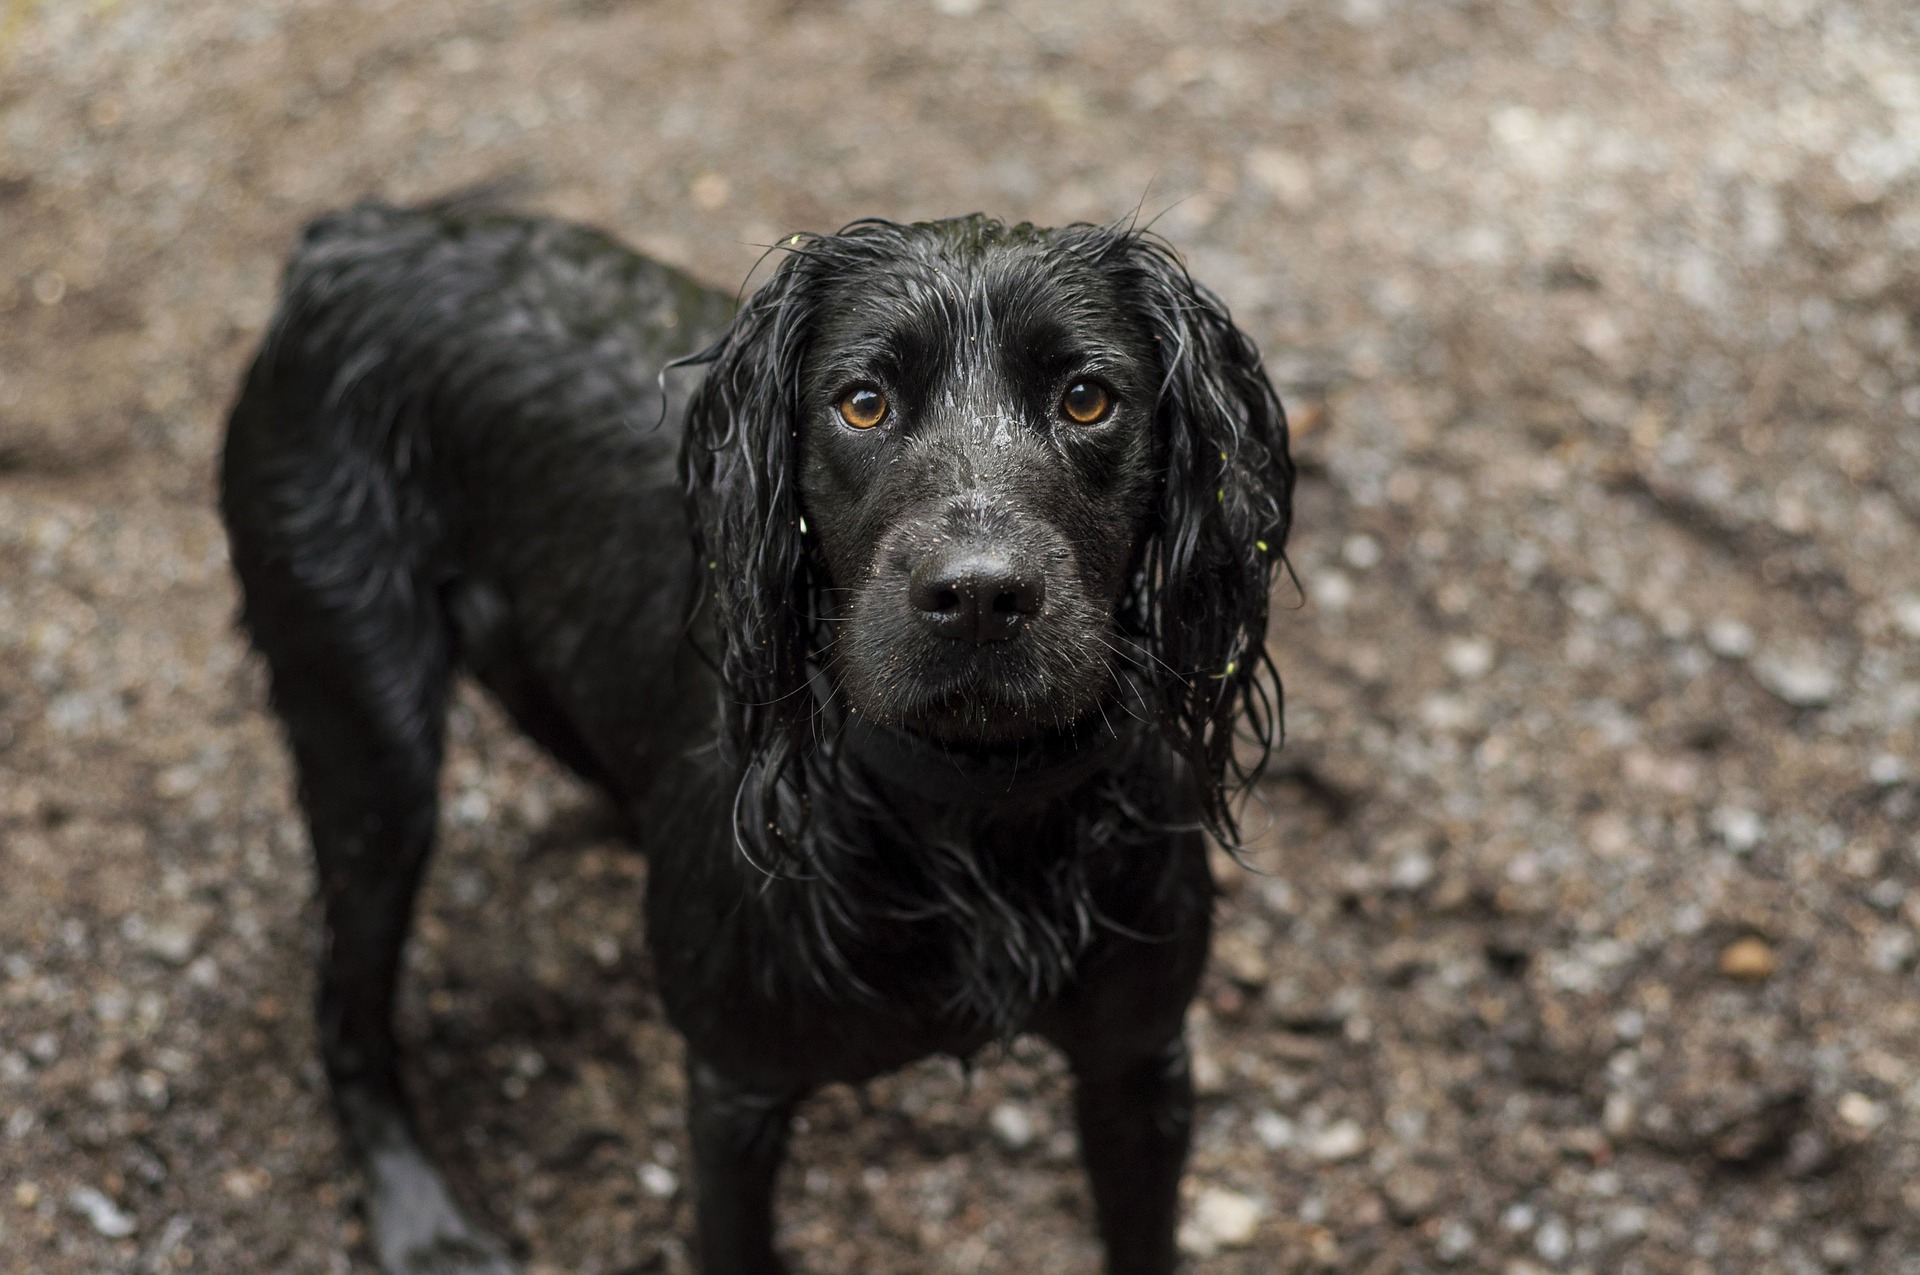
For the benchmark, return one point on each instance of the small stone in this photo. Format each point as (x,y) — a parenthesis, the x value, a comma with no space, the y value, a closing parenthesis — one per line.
(1740,829)
(1886,770)
(1798,680)
(175,940)
(1906,614)
(1617,1115)
(1469,659)
(1274,1131)
(1341,1140)
(1553,1242)
(1861,1111)
(1411,871)
(1842,1250)
(1455,1243)
(1361,551)
(1012,1126)
(1891,948)
(1333,590)
(1518,1216)
(1729,639)
(1411,1192)
(657,1180)
(245,1184)
(108,1218)
(1748,959)
(1221,1219)
(1242,960)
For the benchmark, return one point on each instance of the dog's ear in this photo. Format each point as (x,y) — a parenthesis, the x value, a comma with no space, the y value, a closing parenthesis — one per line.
(1225,503)
(738,467)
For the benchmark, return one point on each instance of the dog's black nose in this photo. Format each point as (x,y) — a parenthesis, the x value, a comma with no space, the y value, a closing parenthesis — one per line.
(975,595)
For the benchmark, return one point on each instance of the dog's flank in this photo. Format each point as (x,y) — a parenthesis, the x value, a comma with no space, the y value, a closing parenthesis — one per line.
(914,647)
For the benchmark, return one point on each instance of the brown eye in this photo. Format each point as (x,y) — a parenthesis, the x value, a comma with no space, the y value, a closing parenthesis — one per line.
(863,408)
(1086,402)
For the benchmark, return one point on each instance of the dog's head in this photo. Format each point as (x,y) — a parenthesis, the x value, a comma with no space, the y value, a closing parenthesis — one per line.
(974,474)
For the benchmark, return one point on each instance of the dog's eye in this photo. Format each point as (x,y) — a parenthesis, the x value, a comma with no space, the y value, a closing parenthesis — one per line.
(1086,402)
(863,408)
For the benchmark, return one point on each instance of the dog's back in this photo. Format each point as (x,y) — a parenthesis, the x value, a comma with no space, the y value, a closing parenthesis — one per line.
(450,404)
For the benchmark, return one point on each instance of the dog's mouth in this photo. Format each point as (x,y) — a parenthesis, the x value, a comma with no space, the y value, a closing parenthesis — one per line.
(1000,694)
(1034,767)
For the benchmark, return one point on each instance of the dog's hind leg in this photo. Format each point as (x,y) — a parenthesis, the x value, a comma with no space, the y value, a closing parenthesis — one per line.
(360,662)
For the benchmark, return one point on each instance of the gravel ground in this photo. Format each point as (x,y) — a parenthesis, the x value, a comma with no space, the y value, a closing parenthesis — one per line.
(1579,927)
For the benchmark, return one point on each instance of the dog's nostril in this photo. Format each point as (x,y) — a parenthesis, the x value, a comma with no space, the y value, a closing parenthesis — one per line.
(943,600)
(1019,599)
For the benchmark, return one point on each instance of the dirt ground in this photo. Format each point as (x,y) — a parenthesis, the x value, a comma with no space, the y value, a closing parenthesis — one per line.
(1580,923)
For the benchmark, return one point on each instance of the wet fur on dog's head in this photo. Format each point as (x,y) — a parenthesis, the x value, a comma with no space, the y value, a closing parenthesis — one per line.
(1138,545)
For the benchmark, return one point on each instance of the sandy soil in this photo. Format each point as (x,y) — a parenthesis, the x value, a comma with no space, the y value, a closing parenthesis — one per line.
(1582,924)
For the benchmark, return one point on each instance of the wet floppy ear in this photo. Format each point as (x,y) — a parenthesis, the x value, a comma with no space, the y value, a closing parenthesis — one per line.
(1224,508)
(738,466)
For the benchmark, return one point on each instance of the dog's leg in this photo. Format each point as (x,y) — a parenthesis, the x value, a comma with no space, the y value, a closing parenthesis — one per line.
(739,1140)
(360,678)
(1136,1119)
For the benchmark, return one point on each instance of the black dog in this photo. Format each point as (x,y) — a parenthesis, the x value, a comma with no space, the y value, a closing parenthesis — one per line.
(916,648)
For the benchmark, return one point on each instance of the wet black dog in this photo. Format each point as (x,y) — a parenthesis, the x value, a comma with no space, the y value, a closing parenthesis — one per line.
(916,648)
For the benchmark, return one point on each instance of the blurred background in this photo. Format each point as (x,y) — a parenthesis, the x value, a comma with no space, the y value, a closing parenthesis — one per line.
(1578,927)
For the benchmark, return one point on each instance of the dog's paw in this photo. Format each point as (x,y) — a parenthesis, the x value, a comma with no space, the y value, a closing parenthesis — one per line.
(417,1229)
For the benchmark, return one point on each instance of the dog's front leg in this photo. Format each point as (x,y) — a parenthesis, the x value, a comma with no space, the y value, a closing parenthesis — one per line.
(739,1140)
(1136,1119)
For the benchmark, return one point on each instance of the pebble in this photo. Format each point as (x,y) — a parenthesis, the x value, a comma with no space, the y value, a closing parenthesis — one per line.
(657,1180)
(1361,551)
(1886,770)
(107,1217)
(1012,1126)
(1798,680)
(1242,959)
(1748,959)
(1906,614)
(1221,1219)
(1274,1131)
(1456,1241)
(1469,659)
(174,941)
(1729,639)
(1861,1111)
(1333,590)
(1553,1242)
(1739,829)
(1341,1140)
(1411,1191)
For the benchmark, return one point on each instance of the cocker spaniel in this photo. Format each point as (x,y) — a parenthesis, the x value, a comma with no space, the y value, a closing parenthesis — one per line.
(915,643)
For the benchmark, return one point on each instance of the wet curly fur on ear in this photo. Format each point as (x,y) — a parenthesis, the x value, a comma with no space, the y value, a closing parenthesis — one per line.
(739,470)
(1198,598)
(1225,504)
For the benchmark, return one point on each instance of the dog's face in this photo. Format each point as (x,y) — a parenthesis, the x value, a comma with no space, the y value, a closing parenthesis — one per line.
(978,474)
(975,462)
